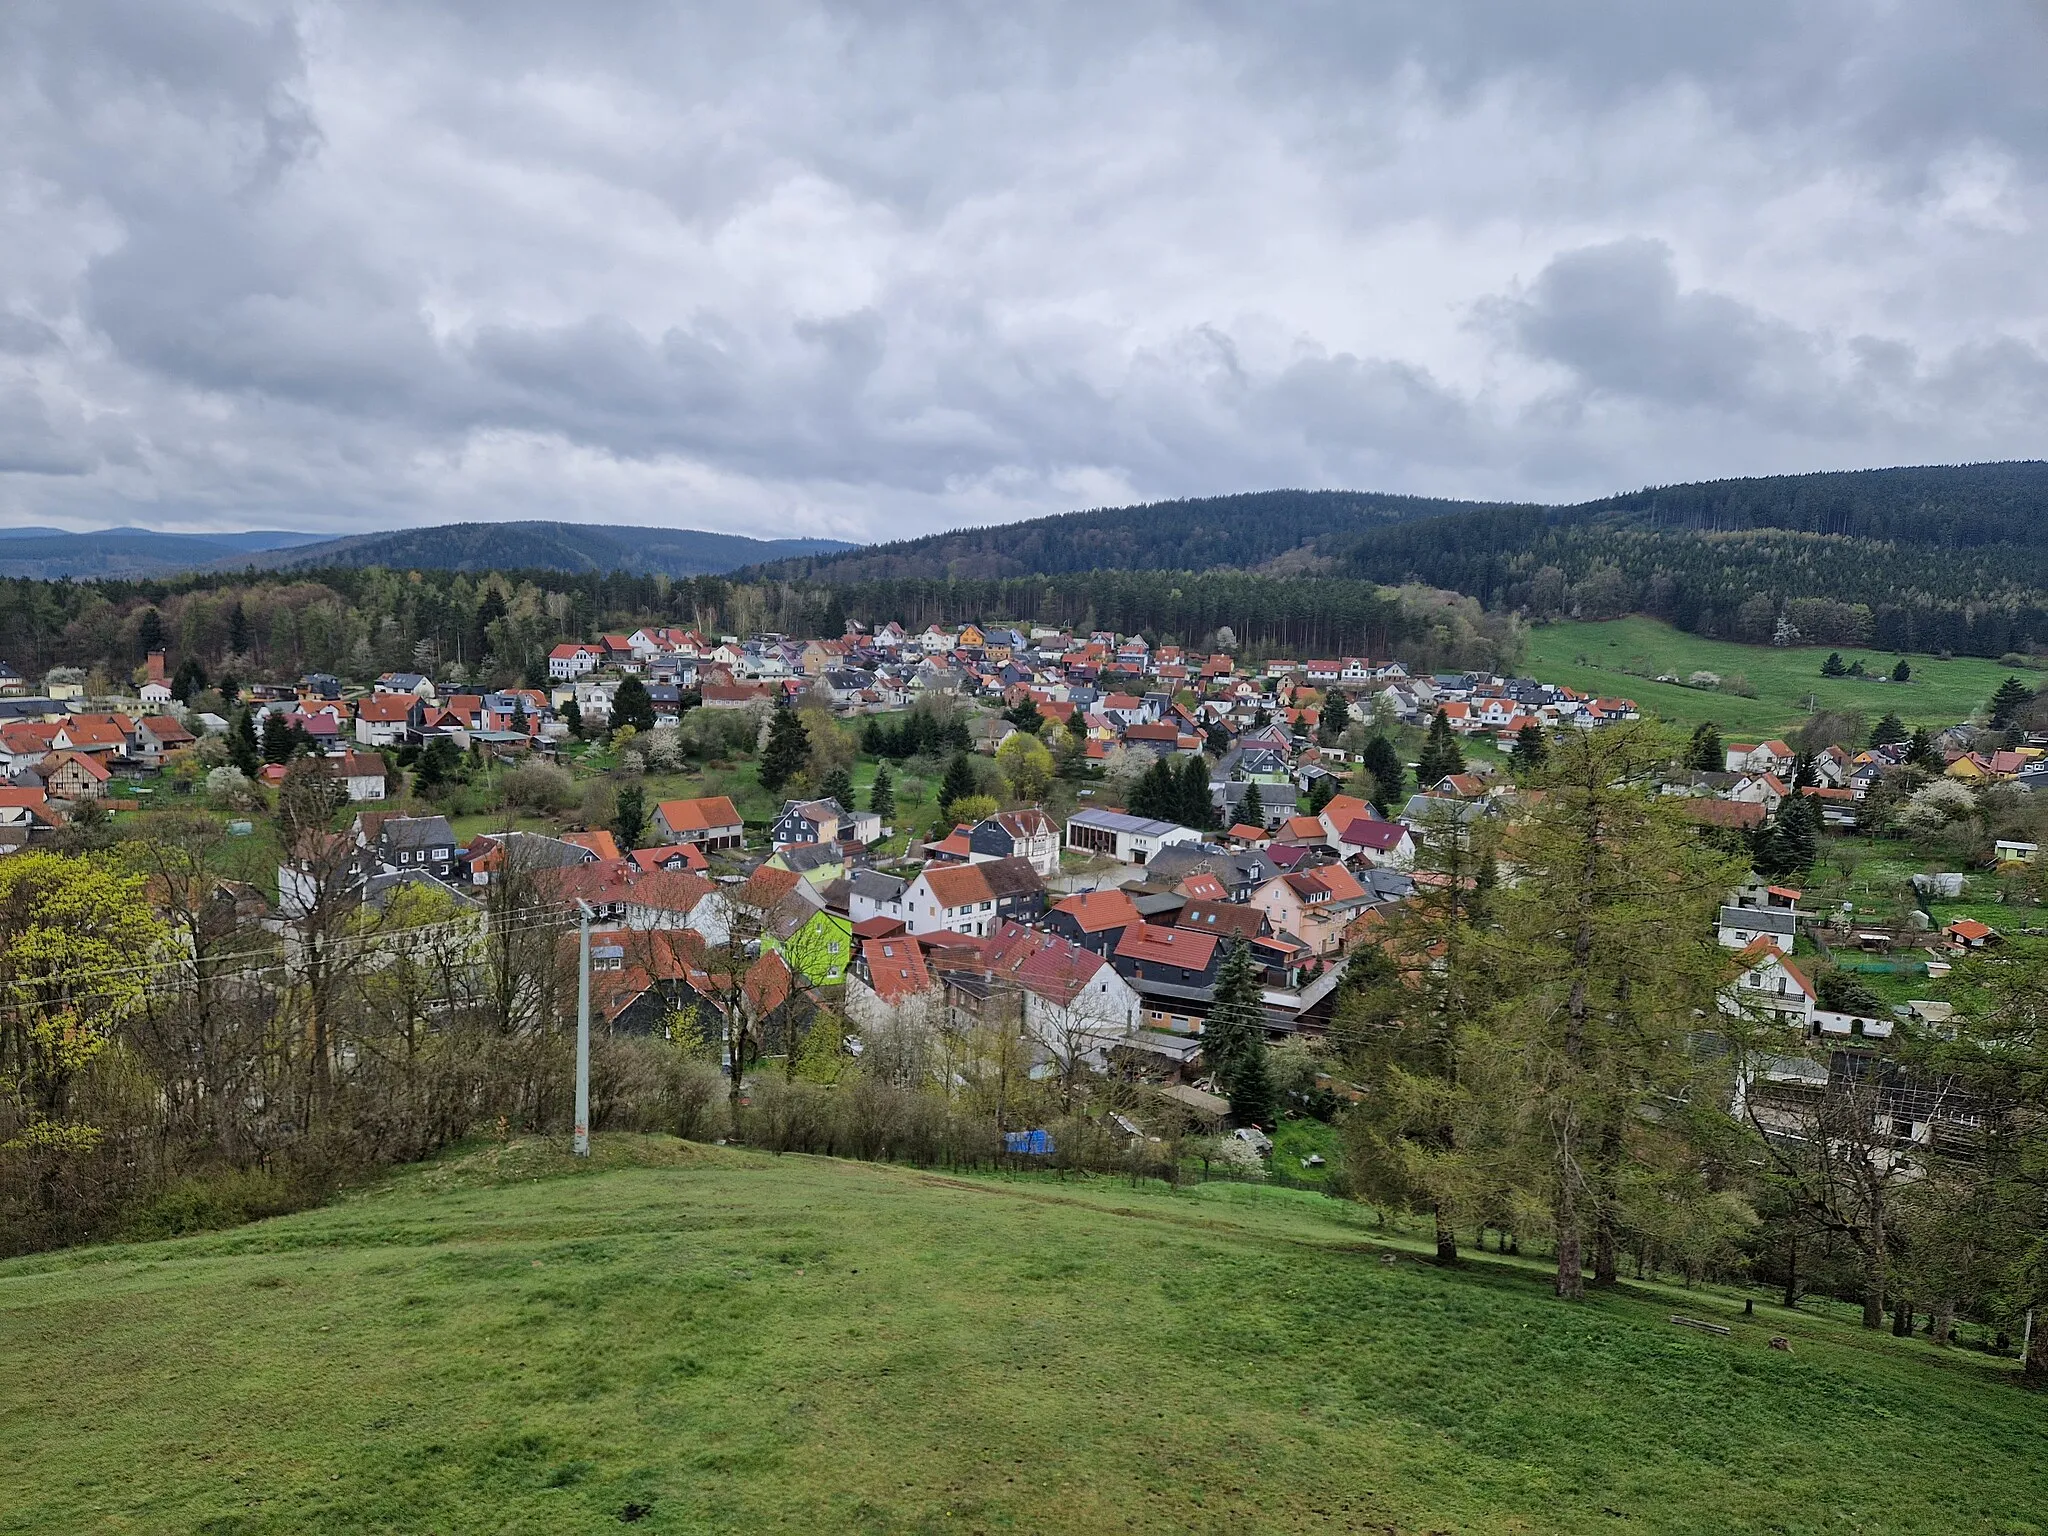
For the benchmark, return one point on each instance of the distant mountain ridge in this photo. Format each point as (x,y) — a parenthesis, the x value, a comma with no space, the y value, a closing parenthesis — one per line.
(53,553)
(547,546)
(132,553)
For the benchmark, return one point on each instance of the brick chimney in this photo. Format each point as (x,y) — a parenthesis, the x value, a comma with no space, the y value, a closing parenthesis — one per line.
(156,666)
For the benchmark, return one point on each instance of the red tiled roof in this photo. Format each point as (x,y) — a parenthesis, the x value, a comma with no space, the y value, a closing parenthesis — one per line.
(1167,946)
(896,968)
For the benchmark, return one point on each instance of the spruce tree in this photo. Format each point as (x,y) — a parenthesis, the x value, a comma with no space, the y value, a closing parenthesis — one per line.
(1320,794)
(1833,667)
(277,738)
(629,818)
(149,632)
(1389,774)
(242,751)
(958,784)
(1156,795)
(882,793)
(1531,749)
(838,785)
(632,706)
(1234,1038)
(1705,752)
(1923,753)
(1441,754)
(1251,810)
(1334,718)
(1197,810)
(2012,696)
(572,716)
(1890,729)
(788,749)
(238,629)
(1902,673)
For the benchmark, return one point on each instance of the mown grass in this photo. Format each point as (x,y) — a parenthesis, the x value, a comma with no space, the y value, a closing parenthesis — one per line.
(1622,656)
(719,1341)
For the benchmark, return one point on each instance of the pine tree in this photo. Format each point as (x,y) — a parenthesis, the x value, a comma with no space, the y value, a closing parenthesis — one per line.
(1234,1038)
(833,625)
(1531,750)
(149,632)
(1902,673)
(959,784)
(238,630)
(1704,753)
(882,793)
(1833,666)
(572,716)
(2012,696)
(488,612)
(838,785)
(1890,729)
(629,817)
(1389,774)
(1251,810)
(631,705)
(1441,754)
(788,749)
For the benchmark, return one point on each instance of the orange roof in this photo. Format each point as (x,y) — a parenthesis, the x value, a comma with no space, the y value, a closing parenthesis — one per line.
(387,708)
(708,814)
(600,842)
(1096,911)
(93,769)
(1342,810)
(692,857)
(958,886)
(1969,928)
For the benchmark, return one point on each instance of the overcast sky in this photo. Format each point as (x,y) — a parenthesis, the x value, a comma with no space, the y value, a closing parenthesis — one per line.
(865,270)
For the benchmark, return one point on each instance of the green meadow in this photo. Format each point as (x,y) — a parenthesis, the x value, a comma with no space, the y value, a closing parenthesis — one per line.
(684,1338)
(1623,656)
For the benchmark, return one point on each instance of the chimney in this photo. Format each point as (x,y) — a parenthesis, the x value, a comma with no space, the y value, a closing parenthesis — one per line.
(156,666)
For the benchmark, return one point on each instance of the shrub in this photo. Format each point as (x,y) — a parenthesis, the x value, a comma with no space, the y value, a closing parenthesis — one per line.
(538,787)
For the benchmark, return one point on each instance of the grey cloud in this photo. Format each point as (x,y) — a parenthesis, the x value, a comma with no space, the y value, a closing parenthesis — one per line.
(876,266)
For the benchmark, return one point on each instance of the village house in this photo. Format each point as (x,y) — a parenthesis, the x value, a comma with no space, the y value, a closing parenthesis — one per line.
(710,823)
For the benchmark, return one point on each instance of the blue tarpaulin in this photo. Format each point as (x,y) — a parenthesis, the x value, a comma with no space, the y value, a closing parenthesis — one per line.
(1027,1143)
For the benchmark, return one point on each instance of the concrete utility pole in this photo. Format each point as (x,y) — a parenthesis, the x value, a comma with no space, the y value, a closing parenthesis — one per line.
(583,1033)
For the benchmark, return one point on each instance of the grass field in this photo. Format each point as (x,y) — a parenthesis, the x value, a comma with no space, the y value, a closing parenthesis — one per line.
(1621,656)
(698,1339)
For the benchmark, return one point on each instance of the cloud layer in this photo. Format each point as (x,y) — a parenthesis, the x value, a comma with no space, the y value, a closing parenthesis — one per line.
(866,270)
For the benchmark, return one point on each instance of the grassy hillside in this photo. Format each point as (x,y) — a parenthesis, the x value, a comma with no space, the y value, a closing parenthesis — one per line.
(1620,656)
(721,1341)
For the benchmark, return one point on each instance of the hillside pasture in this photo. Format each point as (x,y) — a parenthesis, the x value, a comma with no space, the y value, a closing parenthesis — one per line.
(1621,657)
(687,1338)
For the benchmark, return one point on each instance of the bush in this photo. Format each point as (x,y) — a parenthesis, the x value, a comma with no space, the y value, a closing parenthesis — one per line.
(538,787)
(208,1202)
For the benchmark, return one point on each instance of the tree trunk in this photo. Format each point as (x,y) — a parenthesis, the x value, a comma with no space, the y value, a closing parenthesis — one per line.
(1944,1320)
(1607,1217)
(1902,1318)
(2034,1372)
(1792,1273)
(1873,1290)
(1447,1237)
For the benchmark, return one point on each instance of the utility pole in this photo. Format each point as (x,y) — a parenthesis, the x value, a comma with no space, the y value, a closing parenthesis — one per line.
(583,1032)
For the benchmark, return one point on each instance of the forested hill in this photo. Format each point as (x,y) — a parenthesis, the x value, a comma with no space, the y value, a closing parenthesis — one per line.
(1925,559)
(1954,506)
(1205,533)
(1936,558)
(544,546)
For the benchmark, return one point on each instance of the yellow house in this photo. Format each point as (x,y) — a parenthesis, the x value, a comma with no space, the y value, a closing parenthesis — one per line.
(971,637)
